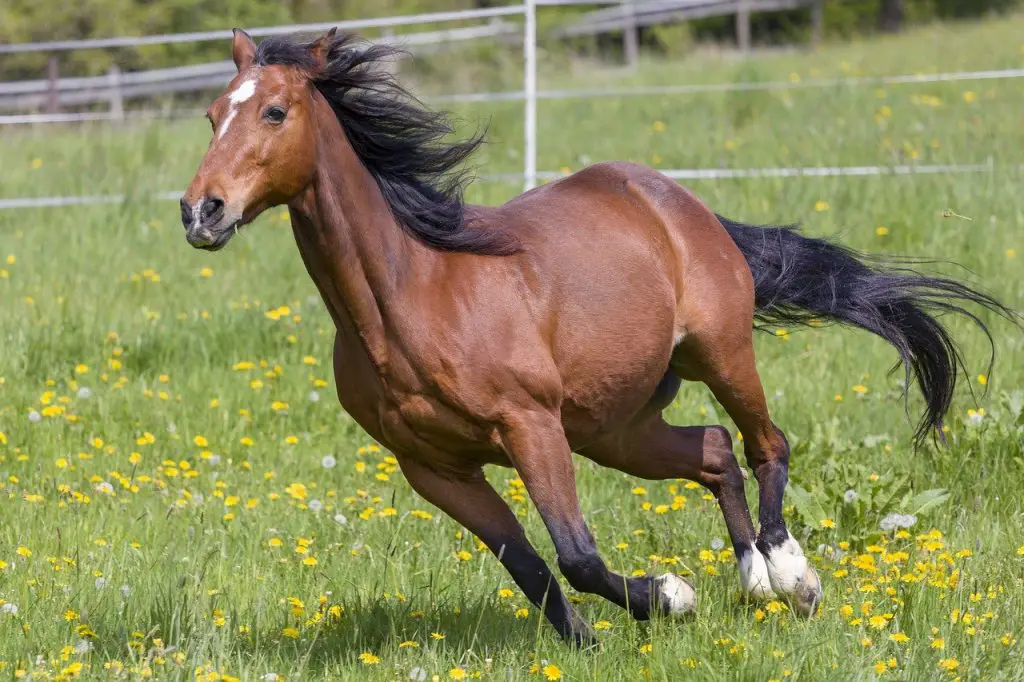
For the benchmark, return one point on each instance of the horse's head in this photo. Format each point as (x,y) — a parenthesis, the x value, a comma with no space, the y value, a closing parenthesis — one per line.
(263,149)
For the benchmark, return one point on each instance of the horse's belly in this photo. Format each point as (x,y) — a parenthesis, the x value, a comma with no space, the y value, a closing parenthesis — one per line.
(600,402)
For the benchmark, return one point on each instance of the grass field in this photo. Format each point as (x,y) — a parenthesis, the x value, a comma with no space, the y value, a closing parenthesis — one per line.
(185,498)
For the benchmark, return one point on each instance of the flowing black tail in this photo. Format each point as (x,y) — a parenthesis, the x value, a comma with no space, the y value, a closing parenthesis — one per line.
(799,280)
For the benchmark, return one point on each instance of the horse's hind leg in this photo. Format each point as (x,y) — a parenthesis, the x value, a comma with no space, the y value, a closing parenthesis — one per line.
(655,450)
(469,499)
(725,362)
(540,452)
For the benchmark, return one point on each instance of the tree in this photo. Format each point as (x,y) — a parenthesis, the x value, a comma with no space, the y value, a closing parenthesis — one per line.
(890,16)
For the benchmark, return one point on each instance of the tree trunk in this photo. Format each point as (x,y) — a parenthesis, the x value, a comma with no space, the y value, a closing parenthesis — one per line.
(890,16)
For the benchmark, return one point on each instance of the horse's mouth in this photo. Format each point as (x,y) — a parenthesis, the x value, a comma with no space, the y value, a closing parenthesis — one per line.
(215,240)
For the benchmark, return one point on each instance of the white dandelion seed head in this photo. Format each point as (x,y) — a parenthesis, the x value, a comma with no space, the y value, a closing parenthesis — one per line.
(34,417)
(315,505)
(314,396)
(328,462)
(417,674)
(895,520)
(214,460)
(105,488)
(975,418)
(9,609)
(717,544)
(172,428)
(84,393)
(101,583)
(84,646)
(270,677)
(850,496)
(340,519)
(126,591)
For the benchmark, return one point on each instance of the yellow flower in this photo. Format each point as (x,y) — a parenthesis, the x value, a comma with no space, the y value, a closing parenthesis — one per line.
(368,658)
(970,96)
(878,622)
(309,561)
(436,636)
(828,523)
(24,552)
(505,593)
(939,643)
(602,625)
(552,672)
(407,644)
(206,272)
(457,673)
(879,667)
(860,389)
(821,206)
(949,664)
(882,231)
(639,490)
(291,633)
(309,360)
(982,379)
(646,648)
(659,127)
(463,555)
(522,613)
(899,638)
(200,442)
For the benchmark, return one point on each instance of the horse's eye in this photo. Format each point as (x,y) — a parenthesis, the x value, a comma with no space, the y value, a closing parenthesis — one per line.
(275,114)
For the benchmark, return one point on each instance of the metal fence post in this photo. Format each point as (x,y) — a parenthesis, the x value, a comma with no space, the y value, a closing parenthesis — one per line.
(530,90)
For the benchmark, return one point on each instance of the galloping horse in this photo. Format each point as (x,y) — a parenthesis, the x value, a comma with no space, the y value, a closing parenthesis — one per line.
(562,321)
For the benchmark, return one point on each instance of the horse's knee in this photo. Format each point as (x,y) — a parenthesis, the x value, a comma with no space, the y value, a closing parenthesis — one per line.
(772,449)
(720,470)
(585,571)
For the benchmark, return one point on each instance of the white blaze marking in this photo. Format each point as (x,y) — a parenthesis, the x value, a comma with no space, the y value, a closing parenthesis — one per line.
(242,93)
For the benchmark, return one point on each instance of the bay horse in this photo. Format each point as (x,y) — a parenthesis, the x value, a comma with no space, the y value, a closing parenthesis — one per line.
(563,321)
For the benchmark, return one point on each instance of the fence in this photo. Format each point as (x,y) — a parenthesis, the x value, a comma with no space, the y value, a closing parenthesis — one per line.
(214,75)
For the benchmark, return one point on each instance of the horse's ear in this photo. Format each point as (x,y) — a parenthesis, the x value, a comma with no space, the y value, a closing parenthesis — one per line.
(321,46)
(243,50)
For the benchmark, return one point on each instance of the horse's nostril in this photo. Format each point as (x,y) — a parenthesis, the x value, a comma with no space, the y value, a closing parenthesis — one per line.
(211,210)
(186,214)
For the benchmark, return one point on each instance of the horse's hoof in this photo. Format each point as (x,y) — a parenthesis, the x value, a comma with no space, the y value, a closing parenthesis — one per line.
(793,578)
(805,600)
(677,596)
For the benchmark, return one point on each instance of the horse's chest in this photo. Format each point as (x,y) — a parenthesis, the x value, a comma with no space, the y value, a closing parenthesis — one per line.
(408,420)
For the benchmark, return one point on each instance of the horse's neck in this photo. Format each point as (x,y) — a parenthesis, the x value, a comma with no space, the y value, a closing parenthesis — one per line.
(351,244)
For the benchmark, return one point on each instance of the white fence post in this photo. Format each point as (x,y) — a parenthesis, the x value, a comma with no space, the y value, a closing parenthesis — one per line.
(530,90)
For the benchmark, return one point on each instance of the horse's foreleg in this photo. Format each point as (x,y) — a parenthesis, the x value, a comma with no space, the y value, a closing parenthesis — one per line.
(469,499)
(539,450)
(736,384)
(656,451)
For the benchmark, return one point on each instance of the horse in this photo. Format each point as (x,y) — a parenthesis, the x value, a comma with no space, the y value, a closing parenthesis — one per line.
(562,321)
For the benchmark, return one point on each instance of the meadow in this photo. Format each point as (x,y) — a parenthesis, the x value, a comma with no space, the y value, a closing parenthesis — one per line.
(183,497)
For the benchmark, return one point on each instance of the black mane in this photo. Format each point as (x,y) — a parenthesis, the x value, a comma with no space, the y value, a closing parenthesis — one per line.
(400,142)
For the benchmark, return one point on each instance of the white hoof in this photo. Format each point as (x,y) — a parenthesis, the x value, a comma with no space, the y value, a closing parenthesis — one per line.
(792,577)
(677,595)
(754,576)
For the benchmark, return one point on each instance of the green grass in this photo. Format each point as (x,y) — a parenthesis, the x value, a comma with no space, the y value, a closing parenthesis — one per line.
(111,299)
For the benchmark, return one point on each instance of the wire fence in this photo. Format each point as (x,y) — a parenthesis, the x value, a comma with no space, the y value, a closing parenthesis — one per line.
(512,178)
(530,95)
